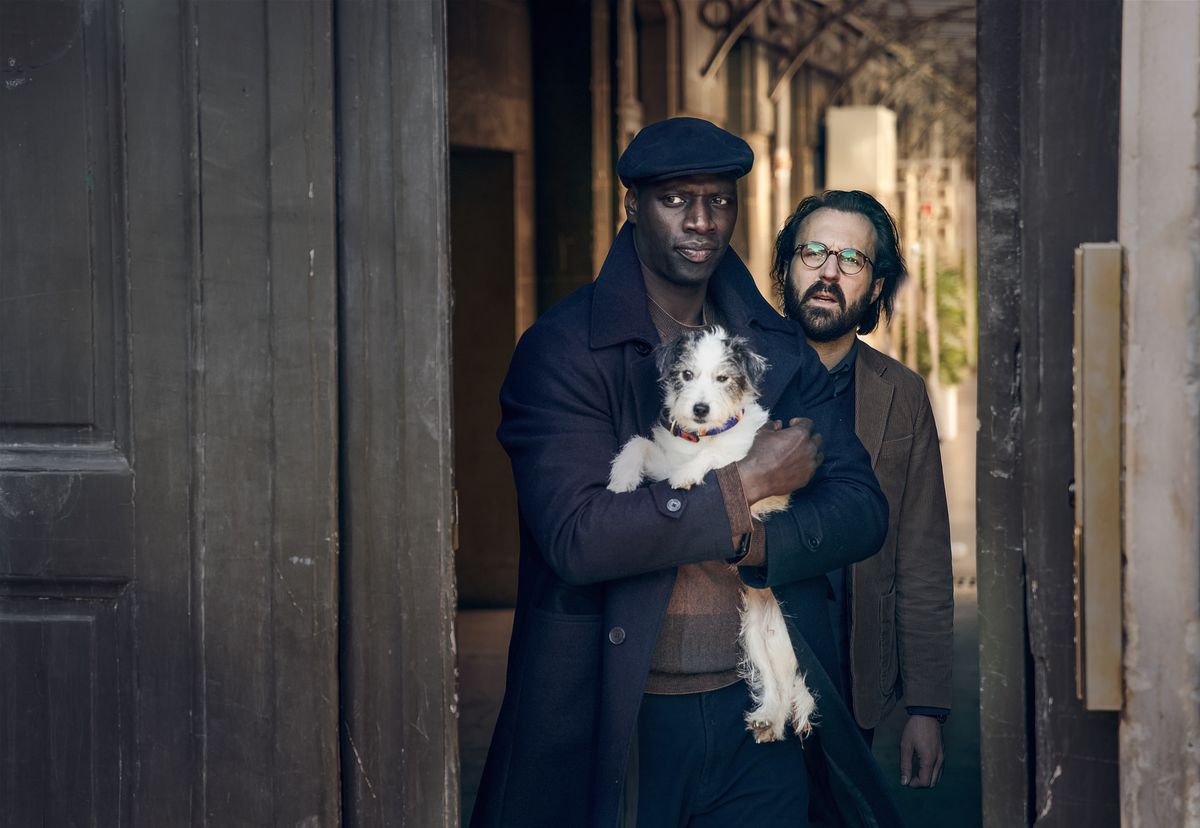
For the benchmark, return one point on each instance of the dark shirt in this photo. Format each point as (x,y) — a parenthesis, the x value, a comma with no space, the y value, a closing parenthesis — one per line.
(842,375)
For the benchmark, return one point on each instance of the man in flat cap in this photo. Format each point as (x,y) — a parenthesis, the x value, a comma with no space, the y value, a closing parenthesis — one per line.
(623,704)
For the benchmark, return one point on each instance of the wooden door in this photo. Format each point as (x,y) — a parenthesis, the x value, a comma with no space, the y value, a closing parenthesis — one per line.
(1049,99)
(168,429)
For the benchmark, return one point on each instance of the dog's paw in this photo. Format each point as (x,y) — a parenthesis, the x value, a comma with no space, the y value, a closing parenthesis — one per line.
(629,466)
(687,476)
(765,728)
(769,505)
(623,483)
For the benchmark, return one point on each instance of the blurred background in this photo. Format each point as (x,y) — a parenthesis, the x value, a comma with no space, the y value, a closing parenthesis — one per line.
(543,97)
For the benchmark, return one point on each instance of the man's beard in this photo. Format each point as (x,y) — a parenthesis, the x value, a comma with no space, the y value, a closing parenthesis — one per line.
(823,324)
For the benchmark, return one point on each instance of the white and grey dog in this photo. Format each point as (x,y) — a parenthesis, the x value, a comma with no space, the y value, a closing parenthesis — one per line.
(710,399)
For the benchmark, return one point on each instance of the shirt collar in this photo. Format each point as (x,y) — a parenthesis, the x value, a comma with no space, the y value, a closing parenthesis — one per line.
(843,372)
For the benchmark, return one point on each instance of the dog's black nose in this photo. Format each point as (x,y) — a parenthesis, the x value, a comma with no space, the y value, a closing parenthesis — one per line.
(700,410)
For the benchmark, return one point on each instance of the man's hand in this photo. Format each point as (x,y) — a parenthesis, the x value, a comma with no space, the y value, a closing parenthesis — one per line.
(922,736)
(781,460)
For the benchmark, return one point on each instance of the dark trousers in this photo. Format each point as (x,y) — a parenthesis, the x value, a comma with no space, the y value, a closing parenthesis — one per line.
(699,767)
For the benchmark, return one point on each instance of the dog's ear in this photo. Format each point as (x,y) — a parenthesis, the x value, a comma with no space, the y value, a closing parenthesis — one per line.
(754,365)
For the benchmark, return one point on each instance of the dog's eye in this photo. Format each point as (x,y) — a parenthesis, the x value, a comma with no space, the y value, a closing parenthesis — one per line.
(687,376)
(721,378)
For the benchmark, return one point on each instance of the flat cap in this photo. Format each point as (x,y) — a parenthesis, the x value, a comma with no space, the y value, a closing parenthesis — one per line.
(683,146)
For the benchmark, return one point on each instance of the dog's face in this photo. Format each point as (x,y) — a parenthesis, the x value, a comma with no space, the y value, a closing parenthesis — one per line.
(708,377)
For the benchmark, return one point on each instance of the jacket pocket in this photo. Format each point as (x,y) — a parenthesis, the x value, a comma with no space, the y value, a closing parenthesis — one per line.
(891,469)
(551,763)
(888,650)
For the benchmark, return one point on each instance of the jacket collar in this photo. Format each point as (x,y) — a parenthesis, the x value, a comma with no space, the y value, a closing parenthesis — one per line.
(873,393)
(619,312)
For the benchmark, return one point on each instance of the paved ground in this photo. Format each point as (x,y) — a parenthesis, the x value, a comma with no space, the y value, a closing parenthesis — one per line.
(483,643)
(482,650)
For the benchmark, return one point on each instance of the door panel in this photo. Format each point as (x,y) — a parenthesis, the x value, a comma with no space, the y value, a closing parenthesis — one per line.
(63,715)
(56,152)
(168,428)
(67,552)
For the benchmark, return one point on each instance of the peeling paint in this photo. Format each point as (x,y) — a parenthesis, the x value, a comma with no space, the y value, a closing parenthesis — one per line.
(1050,793)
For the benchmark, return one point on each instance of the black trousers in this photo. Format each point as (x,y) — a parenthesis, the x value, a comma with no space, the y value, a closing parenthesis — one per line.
(699,767)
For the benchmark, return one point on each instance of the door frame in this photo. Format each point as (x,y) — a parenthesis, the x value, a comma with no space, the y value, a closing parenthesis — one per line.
(399,716)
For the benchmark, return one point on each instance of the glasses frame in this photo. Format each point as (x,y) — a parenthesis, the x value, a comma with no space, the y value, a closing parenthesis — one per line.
(841,263)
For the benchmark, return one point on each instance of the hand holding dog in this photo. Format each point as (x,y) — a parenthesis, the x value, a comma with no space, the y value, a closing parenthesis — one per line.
(781,460)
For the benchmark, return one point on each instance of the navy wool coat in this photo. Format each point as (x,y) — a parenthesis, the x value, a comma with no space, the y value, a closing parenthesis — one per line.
(597,568)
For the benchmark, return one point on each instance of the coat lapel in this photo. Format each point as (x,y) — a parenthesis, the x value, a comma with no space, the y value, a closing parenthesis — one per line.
(620,317)
(785,362)
(772,336)
(647,396)
(872,400)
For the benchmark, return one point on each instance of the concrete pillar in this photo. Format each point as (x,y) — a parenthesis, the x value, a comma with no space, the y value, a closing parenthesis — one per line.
(752,116)
(629,108)
(782,161)
(929,296)
(861,151)
(804,120)
(952,250)
(700,96)
(1160,229)
(970,270)
(911,291)
(606,210)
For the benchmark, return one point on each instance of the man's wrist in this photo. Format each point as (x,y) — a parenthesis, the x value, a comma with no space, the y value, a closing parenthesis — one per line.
(749,480)
(938,713)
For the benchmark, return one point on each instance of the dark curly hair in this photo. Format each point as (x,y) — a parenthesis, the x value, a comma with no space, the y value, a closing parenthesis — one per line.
(887,263)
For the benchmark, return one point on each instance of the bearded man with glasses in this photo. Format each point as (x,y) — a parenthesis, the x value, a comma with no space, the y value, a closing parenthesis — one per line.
(837,268)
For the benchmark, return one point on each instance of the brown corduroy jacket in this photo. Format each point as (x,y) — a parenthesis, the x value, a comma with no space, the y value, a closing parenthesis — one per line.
(902,599)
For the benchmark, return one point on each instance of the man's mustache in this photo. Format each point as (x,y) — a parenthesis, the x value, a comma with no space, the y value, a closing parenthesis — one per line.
(832,290)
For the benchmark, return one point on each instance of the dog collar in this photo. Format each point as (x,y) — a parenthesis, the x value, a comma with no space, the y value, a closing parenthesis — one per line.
(694,436)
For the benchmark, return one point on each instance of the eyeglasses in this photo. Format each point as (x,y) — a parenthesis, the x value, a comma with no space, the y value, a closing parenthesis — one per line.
(849,261)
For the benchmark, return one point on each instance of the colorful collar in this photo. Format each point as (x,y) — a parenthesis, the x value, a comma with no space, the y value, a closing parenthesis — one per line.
(694,436)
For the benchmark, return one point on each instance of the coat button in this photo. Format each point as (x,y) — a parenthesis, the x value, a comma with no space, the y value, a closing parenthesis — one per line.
(616,635)
(642,348)
(674,504)
(814,543)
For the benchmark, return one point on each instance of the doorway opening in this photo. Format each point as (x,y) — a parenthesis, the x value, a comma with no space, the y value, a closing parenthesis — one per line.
(482,255)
